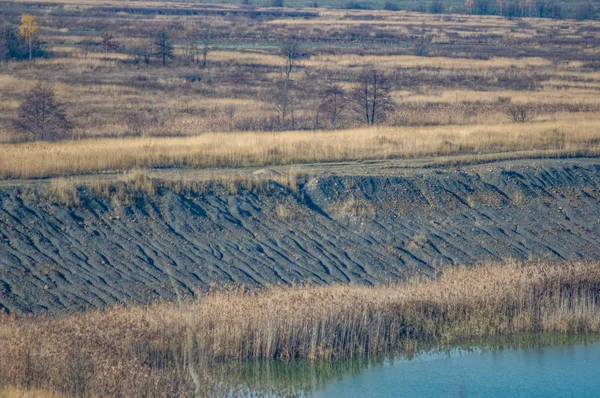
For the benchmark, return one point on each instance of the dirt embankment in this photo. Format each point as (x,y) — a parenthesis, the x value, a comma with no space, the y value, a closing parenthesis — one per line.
(340,227)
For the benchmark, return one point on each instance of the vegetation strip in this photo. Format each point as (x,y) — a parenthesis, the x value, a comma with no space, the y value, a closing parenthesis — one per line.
(150,350)
(44,159)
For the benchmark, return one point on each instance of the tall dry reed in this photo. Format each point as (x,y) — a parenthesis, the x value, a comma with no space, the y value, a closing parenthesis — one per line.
(35,160)
(145,350)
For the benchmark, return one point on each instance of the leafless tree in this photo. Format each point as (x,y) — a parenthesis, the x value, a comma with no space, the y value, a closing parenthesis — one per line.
(333,102)
(205,38)
(519,113)
(108,42)
(41,116)
(370,98)
(85,48)
(284,103)
(191,50)
(163,47)
(197,47)
(480,7)
(142,51)
(291,51)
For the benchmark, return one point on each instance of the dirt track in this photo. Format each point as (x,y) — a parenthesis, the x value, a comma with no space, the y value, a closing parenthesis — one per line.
(365,223)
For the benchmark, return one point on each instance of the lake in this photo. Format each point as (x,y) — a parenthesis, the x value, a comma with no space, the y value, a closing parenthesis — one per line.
(554,371)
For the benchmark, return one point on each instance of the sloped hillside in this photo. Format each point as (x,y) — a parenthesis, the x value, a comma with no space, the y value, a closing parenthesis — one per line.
(339,227)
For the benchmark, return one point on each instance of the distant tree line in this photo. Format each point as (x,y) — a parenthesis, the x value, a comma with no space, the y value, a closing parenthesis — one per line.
(558,9)
(582,10)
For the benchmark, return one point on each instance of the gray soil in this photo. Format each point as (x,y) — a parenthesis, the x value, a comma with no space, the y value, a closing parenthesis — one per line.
(359,223)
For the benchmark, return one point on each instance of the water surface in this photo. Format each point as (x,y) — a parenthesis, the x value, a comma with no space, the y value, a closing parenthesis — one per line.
(556,371)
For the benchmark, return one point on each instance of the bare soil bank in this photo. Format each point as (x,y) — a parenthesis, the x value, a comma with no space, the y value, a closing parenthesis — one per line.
(339,227)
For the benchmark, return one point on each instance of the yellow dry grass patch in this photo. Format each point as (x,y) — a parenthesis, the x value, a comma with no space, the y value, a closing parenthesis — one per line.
(42,159)
(549,96)
(409,61)
(245,58)
(11,392)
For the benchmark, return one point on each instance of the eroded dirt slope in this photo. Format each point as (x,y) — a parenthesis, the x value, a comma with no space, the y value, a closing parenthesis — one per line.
(340,227)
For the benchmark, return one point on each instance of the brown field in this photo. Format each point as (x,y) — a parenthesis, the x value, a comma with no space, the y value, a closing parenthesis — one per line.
(170,349)
(449,100)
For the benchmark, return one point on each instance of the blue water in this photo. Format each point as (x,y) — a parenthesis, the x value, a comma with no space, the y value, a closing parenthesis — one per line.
(559,371)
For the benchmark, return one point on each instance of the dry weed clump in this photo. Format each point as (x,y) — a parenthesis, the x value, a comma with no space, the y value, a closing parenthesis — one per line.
(155,350)
(137,184)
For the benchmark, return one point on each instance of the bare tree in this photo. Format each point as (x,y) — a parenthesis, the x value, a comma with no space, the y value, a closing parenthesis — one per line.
(191,50)
(284,102)
(41,116)
(333,102)
(370,98)
(480,7)
(519,113)
(108,42)
(206,39)
(197,47)
(291,52)
(142,51)
(85,48)
(163,47)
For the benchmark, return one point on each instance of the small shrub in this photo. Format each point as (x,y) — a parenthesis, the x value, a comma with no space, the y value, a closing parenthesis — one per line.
(420,49)
(519,113)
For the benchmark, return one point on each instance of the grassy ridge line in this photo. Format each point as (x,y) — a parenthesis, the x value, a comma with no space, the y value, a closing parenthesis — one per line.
(217,150)
(144,350)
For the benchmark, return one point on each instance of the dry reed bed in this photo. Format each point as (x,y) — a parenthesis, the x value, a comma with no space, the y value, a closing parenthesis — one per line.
(41,159)
(150,350)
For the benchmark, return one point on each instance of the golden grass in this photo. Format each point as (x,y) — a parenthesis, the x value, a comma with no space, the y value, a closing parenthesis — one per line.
(245,58)
(43,159)
(156,349)
(410,61)
(127,188)
(578,94)
(27,393)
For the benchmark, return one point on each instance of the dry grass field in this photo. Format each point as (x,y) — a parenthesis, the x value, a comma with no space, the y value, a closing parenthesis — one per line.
(170,349)
(567,137)
(451,76)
